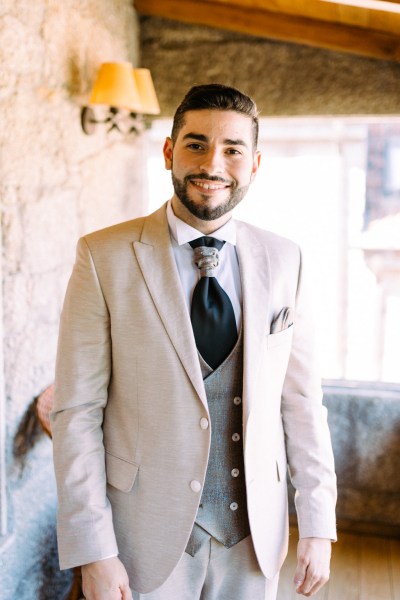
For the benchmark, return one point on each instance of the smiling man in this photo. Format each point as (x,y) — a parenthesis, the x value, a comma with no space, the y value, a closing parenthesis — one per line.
(211,173)
(186,383)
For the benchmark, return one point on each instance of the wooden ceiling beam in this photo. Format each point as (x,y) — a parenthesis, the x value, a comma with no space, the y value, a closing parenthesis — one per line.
(234,16)
(378,15)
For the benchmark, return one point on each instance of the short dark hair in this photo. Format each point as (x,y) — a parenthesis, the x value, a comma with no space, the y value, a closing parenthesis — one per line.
(215,96)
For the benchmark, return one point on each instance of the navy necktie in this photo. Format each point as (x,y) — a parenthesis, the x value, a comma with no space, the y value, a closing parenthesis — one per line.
(213,319)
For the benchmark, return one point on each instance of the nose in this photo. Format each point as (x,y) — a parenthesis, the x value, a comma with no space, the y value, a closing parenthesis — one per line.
(212,162)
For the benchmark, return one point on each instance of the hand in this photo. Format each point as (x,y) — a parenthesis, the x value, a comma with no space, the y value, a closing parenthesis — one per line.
(313,559)
(106,580)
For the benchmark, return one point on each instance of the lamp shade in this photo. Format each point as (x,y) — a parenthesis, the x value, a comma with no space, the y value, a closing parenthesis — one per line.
(147,93)
(116,87)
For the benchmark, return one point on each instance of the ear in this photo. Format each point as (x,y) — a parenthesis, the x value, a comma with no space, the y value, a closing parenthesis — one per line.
(256,164)
(167,151)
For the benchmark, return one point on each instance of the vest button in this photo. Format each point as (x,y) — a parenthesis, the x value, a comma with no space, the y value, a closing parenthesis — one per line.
(204,423)
(236,437)
(234,506)
(237,400)
(195,486)
(235,472)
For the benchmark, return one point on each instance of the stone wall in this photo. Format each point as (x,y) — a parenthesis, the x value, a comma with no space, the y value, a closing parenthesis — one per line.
(55,184)
(284,79)
(365,426)
(364,421)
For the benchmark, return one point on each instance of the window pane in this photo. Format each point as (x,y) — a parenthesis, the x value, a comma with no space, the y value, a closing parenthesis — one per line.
(332,185)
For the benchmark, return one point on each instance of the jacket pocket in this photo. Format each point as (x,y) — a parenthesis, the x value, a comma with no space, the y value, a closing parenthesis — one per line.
(282,337)
(121,474)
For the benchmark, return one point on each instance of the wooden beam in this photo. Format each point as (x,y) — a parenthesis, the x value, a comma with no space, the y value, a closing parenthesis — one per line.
(315,8)
(384,16)
(378,15)
(284,27)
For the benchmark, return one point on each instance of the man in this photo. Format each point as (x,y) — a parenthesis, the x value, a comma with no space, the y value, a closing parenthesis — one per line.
(171,434)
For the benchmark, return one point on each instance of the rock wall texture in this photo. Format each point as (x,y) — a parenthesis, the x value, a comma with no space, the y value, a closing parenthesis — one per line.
(55,184)
(365,428)
(284,79)
(364,420)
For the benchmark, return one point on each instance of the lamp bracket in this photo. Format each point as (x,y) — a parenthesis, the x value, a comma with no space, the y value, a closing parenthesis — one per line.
(132,123)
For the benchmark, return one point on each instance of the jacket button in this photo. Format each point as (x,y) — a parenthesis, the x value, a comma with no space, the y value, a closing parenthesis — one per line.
(234,506)
(236,437)
(195,486)
(235,472)
(204,423)
(237,400)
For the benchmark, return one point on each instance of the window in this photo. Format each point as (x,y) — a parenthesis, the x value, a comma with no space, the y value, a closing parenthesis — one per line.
(332,185)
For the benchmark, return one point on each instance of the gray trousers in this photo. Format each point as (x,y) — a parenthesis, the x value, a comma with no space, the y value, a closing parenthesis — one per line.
(216,573)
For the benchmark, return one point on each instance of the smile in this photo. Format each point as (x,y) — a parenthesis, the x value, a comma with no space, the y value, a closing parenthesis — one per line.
(210,186)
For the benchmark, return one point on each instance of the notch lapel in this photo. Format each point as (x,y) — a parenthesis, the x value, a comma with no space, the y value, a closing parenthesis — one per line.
(255,277)
(157,263)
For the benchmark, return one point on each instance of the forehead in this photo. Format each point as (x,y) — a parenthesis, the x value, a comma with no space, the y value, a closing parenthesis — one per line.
(218,125)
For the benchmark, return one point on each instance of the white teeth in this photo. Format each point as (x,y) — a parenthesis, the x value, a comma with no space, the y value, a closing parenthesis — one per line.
(209,186)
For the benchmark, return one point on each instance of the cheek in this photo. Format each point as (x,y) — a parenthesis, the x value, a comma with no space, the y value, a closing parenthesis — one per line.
(243,174)
(183,170)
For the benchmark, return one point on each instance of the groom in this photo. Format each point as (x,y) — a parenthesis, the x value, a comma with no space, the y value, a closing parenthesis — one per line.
(186,382)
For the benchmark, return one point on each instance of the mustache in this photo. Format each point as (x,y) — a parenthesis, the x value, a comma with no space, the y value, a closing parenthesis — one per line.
(208,178)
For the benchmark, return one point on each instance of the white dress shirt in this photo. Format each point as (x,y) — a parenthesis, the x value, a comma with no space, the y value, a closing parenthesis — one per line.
(227,272)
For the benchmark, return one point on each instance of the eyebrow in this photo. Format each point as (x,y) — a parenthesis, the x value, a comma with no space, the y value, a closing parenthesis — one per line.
(203,138)
(196,136)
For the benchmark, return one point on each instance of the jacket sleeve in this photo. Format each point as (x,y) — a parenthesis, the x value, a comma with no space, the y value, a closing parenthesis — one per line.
(83,367)
(307,437)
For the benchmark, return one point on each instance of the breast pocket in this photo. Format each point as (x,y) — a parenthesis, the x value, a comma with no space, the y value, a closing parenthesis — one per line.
(121,473)
(278,348)
(282,337)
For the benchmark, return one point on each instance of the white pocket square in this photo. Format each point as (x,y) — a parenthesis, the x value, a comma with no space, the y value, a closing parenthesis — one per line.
(283,320)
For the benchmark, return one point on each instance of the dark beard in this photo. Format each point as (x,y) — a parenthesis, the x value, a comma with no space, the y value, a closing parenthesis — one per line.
(206,213)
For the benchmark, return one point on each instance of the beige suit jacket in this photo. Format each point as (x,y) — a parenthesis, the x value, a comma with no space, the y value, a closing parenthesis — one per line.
(130,396)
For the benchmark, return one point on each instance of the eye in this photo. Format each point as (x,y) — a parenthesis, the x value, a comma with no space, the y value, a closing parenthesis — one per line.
(194,146)
(233,151)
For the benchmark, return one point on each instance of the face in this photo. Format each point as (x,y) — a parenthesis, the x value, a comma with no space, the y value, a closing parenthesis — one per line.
(213,163)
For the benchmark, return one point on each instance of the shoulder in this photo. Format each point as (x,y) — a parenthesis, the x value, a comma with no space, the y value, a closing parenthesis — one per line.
(272,242)
(127,232)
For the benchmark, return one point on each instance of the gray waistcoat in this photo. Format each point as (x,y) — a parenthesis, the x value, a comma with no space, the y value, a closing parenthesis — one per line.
(222,511)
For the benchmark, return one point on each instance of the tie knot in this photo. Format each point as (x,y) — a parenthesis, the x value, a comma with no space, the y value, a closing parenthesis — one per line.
(207,241)
(206,256)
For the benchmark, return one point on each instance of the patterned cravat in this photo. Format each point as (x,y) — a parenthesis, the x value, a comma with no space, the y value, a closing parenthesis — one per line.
(212,315)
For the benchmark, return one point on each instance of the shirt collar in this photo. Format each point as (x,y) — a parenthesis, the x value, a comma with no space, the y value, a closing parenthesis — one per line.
(184,233)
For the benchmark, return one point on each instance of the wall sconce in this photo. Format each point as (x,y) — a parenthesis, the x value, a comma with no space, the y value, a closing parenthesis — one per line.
(126,94)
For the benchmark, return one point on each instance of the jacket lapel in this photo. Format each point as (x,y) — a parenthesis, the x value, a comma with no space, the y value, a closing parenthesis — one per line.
(156,260)
(256,283)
